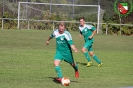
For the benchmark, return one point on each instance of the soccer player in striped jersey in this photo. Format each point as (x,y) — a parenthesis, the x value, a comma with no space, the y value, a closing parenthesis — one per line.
(64,44)
(88,32)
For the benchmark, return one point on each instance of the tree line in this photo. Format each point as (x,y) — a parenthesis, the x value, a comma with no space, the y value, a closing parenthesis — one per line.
(109,16)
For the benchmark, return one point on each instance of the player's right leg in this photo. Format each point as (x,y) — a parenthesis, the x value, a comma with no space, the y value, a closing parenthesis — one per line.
(57,60)
(85,51)
(58,70)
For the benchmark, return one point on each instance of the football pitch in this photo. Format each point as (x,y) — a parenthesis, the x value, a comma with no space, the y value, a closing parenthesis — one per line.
(26,61)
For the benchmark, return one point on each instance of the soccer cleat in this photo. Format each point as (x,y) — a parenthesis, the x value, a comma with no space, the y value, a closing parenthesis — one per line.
(76,74)
(58,80)
(89,64)
(99,65)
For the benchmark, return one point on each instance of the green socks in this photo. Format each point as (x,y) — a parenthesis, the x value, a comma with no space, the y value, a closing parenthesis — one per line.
(58,71)
(75,66)
(87,56)
(96,59)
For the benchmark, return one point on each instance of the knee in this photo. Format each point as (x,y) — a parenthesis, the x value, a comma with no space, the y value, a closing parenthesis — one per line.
(91,54)
(83,49)
(56,63)
(72,64)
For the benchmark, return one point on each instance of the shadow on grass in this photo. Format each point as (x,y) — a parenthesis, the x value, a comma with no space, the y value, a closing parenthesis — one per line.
(54,80)
(85,64)
(81,63)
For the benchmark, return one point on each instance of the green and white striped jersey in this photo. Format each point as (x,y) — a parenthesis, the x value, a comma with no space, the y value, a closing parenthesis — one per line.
(86,31)
(63,41)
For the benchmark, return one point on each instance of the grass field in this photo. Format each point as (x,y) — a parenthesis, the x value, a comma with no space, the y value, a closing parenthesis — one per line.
(26,62)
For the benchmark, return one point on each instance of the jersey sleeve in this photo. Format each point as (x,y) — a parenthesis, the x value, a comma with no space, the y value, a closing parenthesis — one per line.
(80,31)
(52,35)
(92,27)
(68,38)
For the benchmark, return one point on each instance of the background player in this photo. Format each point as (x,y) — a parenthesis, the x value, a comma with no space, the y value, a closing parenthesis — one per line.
(88,32)
(64,43)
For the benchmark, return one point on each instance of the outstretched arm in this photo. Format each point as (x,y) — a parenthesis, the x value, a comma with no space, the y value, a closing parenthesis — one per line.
(74,48)
(93,33)
(70,42)
(49,38)
(47,42)
(80,35)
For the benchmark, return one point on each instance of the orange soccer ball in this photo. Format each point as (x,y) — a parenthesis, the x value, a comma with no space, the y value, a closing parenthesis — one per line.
(65,81)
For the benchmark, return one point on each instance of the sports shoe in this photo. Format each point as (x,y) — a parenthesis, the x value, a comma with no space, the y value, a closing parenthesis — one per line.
(58,80)
(76,74)
(89,64)
(99,65)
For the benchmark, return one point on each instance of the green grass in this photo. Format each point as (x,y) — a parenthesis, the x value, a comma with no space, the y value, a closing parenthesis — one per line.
(26,62)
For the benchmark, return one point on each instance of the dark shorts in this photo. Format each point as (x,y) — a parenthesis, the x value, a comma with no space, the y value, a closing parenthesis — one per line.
(88,45)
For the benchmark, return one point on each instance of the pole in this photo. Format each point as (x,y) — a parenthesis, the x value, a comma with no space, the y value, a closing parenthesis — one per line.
(3,8)
(98,2)
(2,14)
(73,9)
(27,13)
(26,9)
(50,6)
(120,21)
(53,25)
(98,18)
(18,13)
(106,28)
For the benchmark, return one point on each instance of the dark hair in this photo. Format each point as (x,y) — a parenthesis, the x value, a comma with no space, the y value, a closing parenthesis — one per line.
(81,18)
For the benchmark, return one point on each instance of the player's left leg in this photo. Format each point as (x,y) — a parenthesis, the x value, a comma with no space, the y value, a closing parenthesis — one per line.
(75,66)
(94,57)
(69,59)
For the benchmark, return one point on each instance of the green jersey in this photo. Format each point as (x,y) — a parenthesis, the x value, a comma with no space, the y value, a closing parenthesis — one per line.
(63,41)
(86,31)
